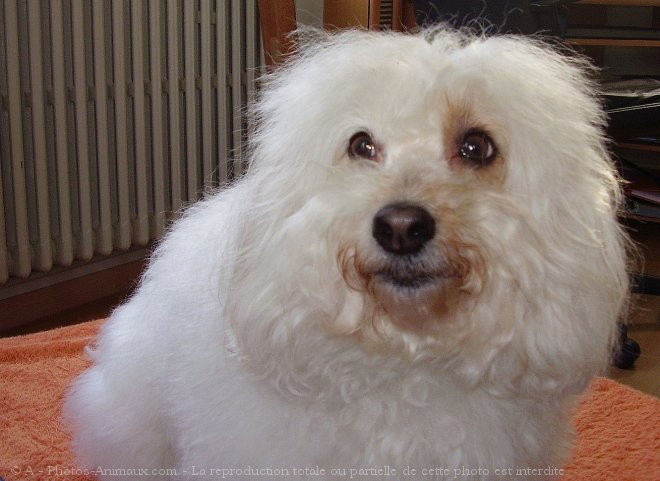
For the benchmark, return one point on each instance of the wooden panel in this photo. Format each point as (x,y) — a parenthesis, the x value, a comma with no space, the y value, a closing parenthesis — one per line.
(623,3)
(278,20)
(613,42)
(345,14)
(408,20)
(24,308)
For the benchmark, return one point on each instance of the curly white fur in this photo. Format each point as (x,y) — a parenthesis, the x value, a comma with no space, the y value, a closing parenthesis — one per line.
(262,336)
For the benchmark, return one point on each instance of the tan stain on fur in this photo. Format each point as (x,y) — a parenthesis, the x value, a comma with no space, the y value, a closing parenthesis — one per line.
(461,118)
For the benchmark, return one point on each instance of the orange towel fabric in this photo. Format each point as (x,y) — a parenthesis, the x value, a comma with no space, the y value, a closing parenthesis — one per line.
(618,427)
(35,371)
(618,435)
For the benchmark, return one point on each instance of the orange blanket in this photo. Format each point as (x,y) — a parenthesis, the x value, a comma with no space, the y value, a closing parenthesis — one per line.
(618,427)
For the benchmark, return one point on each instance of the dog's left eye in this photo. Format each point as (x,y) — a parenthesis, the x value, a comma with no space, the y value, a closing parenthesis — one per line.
(477,147)
(362,145)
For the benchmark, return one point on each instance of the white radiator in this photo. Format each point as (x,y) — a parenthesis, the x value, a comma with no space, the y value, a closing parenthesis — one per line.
(113,114)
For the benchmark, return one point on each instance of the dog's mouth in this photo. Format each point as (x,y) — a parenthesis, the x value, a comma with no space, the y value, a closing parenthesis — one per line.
(415,294)
(410,275)
(408,279)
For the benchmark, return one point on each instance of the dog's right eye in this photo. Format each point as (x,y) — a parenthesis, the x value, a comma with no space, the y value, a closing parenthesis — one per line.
(362,145)
(478,148)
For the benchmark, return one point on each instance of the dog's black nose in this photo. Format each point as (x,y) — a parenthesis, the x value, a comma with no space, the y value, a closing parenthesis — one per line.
(403,228)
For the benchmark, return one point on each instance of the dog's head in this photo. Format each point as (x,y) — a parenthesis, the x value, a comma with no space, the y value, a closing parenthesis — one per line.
(442,194)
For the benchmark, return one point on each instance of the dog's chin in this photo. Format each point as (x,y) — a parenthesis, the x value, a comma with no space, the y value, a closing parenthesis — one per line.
(416,300)
(413,293)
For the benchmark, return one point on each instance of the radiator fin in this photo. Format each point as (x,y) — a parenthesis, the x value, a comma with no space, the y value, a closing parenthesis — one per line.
(113,116)
(386,14)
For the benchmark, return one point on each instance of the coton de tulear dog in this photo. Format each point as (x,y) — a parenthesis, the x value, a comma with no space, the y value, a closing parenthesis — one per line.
(420,271)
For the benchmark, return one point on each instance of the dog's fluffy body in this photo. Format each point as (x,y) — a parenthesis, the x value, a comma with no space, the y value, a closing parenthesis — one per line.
(264,333)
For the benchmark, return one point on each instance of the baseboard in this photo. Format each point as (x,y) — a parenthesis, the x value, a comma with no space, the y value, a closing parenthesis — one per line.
(31,300)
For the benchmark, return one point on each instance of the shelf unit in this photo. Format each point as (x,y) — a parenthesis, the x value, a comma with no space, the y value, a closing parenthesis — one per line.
(631,50)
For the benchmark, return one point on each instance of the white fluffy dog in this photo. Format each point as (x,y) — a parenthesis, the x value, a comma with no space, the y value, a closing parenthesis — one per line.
(418,274)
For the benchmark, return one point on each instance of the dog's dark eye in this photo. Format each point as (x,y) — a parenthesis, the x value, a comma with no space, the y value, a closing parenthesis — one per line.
(477,148)
(362,145)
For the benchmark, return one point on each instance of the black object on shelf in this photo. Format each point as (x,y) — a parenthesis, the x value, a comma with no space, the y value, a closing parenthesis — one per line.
(645,284)
(628,350)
